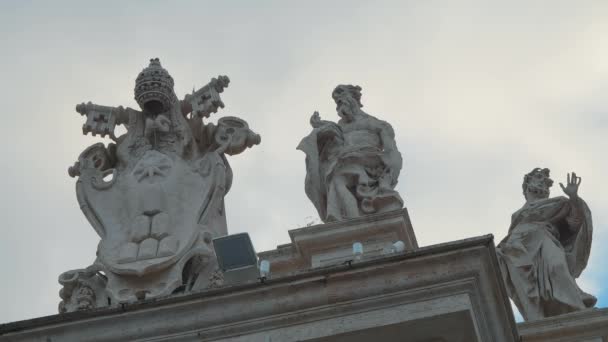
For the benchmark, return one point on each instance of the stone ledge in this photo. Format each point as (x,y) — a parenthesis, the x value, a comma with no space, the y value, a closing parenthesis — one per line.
(582,326)
(462,272)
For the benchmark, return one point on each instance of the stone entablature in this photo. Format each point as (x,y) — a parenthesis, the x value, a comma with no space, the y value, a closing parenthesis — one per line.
(446,292)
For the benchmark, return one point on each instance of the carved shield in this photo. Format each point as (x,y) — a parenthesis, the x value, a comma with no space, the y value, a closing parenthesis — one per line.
(149,215)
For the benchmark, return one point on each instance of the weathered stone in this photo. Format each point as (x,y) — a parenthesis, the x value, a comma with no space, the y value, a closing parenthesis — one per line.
(164,180)
(449,292)
(160,226)
(140,229)
(147,249)
(330,244)
(352,167)
(82,289)
(151,196)
(547,248)
(167,246)
(128,252)
(590,325)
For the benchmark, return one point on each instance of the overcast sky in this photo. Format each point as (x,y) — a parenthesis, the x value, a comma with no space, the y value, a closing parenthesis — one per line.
(478,93)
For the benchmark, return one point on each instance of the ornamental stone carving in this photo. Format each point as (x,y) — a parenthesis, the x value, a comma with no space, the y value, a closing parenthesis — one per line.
(155,196)
(352,166)
(547,248)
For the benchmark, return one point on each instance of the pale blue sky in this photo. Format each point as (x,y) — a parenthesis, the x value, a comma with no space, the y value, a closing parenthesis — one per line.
(478,92)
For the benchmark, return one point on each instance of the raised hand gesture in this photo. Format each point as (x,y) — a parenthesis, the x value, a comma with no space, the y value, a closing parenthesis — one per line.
(571,189)
(315,120)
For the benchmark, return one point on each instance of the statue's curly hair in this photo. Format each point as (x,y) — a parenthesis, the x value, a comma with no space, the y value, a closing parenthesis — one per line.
(545,172)
(353,90)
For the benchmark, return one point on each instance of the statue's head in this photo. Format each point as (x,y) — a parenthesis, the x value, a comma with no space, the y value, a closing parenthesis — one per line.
(154,89)
(348,100)
(537,183)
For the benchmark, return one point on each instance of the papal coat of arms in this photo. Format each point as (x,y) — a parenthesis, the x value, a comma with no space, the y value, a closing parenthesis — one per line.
(155,195)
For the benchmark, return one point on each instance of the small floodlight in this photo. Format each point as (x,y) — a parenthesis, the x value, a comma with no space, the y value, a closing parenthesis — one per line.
(236,258)
(398,247)
(357,250)
(264,269)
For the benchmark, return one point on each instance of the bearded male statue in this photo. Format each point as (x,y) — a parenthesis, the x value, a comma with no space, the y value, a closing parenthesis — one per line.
(547,248)
(155,196)
(352,166)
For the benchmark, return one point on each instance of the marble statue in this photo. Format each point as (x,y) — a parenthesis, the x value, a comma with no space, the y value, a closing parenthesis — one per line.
(155,196)
(352,166)
(547,248)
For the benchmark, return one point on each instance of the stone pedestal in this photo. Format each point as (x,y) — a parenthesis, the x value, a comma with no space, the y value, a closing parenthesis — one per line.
(330,244)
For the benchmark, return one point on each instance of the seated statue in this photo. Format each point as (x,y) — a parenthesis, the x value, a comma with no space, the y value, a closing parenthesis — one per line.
(352,167)
(546,249)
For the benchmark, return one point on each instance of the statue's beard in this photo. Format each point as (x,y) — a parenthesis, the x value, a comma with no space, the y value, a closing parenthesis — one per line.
(346,112)
(539,191)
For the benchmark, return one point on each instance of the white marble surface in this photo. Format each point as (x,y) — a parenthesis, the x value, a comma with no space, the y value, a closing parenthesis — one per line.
(547,248)
(352,167)
(155,196)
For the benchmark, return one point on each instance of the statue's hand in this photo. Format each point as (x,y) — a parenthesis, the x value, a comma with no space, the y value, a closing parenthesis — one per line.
(329,134)
(571,189)
(315,120)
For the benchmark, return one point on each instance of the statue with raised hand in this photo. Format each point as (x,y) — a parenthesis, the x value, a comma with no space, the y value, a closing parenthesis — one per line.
(547,248)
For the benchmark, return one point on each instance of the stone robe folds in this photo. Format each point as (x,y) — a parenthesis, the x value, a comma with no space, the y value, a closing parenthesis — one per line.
(347,176)
(547,247)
